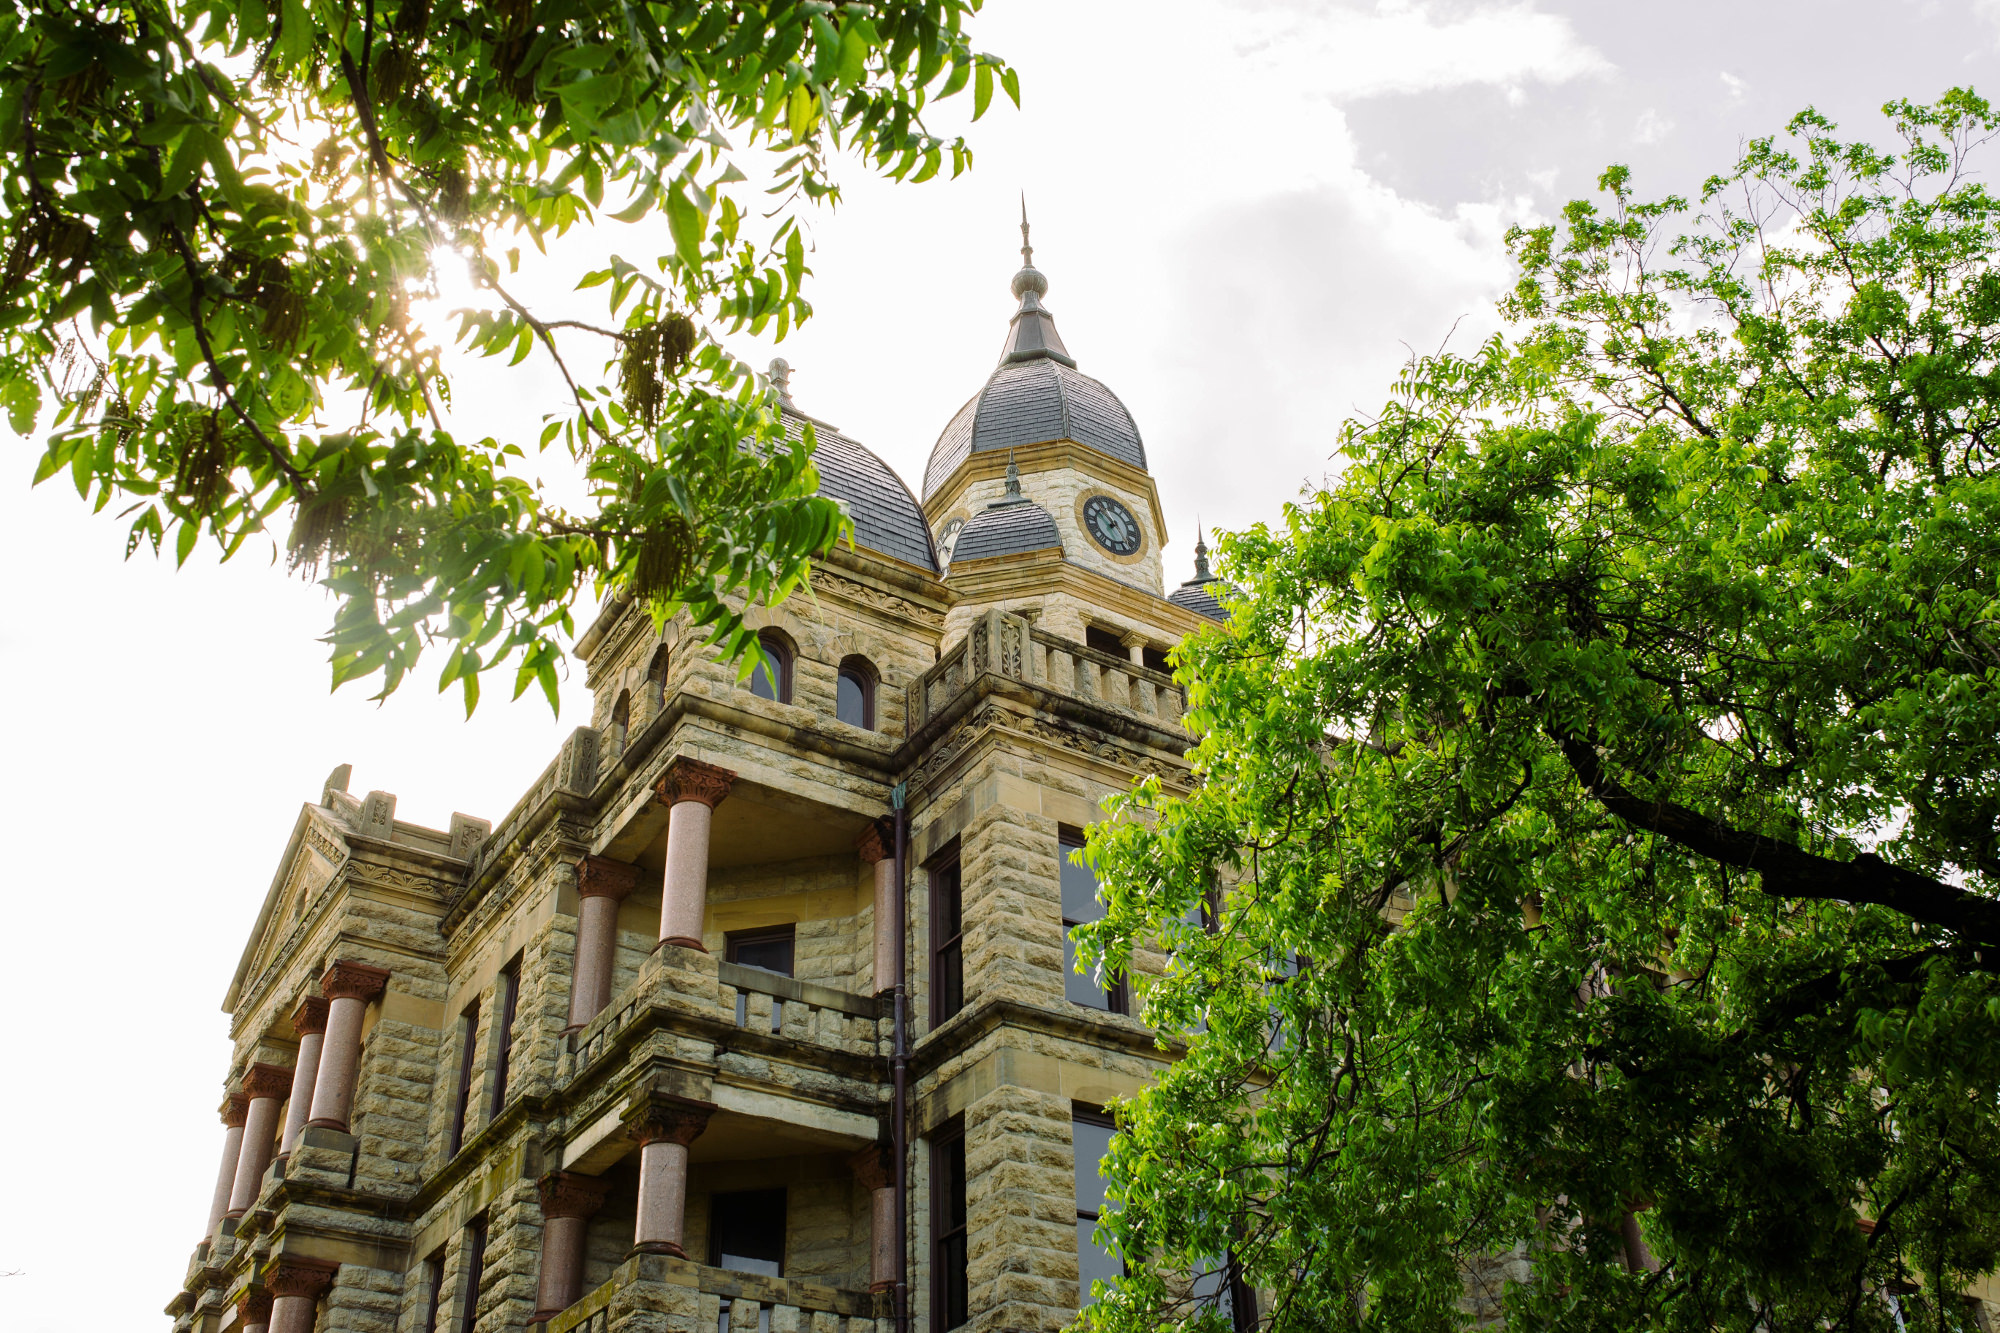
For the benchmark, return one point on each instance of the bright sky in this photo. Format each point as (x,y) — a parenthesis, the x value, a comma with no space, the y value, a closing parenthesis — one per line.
(1248,212)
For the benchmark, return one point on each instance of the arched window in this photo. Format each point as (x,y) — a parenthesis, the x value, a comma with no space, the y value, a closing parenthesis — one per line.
(773,677)
(656,670)
(621,719)
(854,699)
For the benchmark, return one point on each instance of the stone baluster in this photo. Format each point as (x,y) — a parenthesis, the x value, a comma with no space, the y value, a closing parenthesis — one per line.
(264,1086)
(253,1312)
(568,1203)
(309,1023)
(348,988)
(600,886)
(664,1126)
(691,790)
(872,1167)
(876,848)
(1135,647)
(234,1112)
(296,1284)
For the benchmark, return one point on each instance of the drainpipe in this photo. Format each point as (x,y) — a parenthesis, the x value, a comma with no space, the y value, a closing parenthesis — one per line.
(899,1065)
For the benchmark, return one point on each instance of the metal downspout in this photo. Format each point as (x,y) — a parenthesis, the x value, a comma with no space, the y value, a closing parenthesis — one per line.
(899,1064)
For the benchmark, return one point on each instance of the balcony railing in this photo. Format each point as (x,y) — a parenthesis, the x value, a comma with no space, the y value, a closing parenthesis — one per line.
(1007,645)
(714,1300)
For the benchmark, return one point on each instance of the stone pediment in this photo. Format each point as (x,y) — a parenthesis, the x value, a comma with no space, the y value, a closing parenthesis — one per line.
(313,857)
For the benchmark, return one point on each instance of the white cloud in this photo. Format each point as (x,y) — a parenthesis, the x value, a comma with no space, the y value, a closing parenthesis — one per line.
(1734,86)
(1652,127)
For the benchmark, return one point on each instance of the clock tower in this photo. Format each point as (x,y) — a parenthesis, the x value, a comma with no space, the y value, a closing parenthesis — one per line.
(1044,461)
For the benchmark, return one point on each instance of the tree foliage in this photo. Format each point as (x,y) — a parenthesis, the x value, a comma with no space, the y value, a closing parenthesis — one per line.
(217,214)
(1603,778)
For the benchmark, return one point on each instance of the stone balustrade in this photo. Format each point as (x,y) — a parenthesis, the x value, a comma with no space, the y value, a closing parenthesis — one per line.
(650,1290)
(1007,645)
(784,1006)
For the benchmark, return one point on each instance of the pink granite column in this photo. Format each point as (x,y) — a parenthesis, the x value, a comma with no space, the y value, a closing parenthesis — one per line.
(253,1312)
(348,988)
(233,1113)
(691,790)
(872,1168)
(265,1086)
(296,1284)
(568,1201)
(876,848)
(600,886)
(309,1023)
(664,1127)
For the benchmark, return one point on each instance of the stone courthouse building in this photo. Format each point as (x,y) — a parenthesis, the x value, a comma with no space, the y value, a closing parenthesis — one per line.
(629,1058)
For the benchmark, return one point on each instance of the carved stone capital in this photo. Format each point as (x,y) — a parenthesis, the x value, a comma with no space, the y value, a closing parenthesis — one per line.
(599,877)
(665,1118)
(266,1081)
(295,1275)
(567,1194)
(692,780)
(253,1307)
(353,981)
(235,1110)
(310,1016)
(872,1168)
(877,844)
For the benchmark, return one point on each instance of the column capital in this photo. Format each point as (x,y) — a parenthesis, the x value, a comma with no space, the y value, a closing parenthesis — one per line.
(692,780)
(266,1081)
(662,1117)
(253,1307)
(568,1194)
(296,1275)
(876,844)
(871,1167)
(310,1016)
(353,981)
(600,877)
(235,1109)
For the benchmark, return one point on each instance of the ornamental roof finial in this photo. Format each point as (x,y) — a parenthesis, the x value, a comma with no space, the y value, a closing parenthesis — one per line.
(1200,554)
(781,380)
(1029,284)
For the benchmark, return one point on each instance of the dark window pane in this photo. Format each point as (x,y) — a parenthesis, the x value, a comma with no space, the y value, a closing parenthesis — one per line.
(1093,1145)
(770,950)
(1081,988)
(1092,1262)
(1157,660)
(851,700)
(764,680)
(951,981)
(947,943)
(949,1285)
(1079,886)
(1103,640)
(747,1232)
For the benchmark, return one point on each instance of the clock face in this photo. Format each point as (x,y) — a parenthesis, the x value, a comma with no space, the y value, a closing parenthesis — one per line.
(1111,525)
(948,536)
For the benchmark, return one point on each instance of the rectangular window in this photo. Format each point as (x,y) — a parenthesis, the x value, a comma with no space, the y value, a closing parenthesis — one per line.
(769,949)
(1081,904)
(949,1291)
(433,1290)
(947,940)
(509,1002)
(475,1273)
(746,1232)
(468,1040)
(1105,641)
(1090,1132)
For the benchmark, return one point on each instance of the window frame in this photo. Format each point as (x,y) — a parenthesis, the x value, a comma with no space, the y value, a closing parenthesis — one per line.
(778,656)
(468,1029)
(434,1280)
(1117,994)
(946,1141)
(509,1007)
(474,1247)
(863,673)
(946,865)
(734,940)
(784,1224)
(1088,1114)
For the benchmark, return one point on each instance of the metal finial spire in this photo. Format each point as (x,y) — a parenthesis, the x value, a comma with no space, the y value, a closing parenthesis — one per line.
(1028,284)
(781,380)
(1027,250)
(1200,554)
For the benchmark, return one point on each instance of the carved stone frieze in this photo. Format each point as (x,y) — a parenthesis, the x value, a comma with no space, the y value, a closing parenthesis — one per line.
(874,598)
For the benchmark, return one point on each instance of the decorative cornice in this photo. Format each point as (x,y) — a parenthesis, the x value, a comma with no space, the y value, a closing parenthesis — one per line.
(295,1275)
(567,1194)
(269,1081)
(235,1110)
(600,877)
(310,1017)
(876,844)
(353,981)
(692,780)
(663,1117)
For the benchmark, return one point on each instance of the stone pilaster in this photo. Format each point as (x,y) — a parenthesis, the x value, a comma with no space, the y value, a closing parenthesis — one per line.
(1021,1212)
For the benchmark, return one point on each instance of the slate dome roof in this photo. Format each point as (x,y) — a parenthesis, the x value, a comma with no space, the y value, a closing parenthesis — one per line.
(887,518)
(1196,594)
(1035,395)
(1011,526)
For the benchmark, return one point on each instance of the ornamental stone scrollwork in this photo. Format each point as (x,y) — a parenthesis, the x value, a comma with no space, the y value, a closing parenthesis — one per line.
(310,1016)
(665,1118)
(692,780)
(253,1308)
(856,591)
(600,877)
(267,1081)
(567,1194)
(299,1276)
(235,1110)
(353,981)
